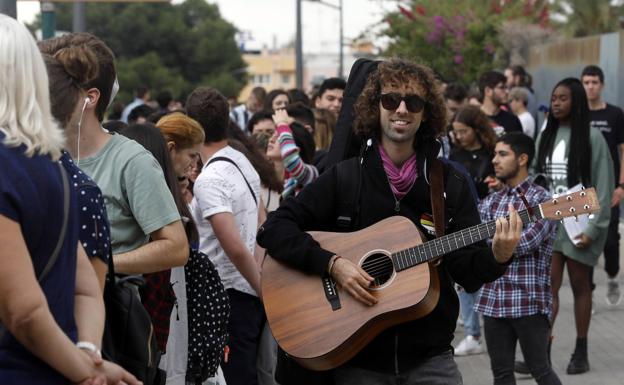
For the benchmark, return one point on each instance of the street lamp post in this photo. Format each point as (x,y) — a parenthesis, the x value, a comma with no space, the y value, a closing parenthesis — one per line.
(9,8)
(299,49)
(299,43)
(79,23)
(341,43)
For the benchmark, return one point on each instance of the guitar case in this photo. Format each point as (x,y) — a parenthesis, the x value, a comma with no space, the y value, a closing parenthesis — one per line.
(345,144)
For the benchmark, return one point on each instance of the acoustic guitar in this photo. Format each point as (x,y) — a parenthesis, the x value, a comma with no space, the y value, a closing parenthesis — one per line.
(322,327)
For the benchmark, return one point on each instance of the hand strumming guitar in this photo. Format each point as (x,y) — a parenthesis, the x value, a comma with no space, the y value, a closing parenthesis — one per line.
(507,235)
(353,279)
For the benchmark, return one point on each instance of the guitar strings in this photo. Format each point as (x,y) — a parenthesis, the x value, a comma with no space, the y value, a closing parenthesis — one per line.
(376,267)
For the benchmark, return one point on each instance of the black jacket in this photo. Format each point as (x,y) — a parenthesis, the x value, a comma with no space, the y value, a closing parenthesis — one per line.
(315,208)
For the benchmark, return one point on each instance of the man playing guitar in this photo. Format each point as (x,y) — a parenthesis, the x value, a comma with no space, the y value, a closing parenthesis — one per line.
(401,110)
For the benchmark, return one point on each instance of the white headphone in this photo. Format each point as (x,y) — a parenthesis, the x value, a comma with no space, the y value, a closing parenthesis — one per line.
(84,106)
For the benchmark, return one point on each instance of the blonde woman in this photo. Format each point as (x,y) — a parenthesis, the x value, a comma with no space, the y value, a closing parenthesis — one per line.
(51,309)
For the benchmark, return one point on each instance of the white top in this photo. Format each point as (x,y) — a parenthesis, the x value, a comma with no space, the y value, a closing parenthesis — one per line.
(221,188)
(528,123)
(175,361)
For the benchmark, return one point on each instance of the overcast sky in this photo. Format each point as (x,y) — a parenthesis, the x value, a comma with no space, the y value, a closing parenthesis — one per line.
(275,19)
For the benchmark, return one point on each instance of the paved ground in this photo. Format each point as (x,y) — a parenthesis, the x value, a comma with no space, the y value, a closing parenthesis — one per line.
(605,341)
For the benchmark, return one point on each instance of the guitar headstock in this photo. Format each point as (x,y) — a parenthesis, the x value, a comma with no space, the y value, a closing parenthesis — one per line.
(573,204)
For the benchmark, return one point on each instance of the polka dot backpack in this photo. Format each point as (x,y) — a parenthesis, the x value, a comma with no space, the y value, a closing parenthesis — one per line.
(208,309)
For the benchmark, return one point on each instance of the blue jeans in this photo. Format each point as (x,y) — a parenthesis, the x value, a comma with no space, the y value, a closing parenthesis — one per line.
(471,317)
(436,370)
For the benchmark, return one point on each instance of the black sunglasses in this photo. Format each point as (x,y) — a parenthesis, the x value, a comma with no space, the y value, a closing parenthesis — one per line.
(392,100)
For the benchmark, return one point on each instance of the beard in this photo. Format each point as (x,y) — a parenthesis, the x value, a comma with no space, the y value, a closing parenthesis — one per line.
(509,175)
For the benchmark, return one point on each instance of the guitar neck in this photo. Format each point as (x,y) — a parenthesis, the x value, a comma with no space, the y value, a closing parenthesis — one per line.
(427,251)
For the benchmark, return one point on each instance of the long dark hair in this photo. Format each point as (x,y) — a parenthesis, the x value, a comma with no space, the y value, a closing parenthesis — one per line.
(579,155)
(150,137)
(238,140)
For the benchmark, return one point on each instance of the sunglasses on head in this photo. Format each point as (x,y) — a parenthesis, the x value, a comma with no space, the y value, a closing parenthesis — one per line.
(392,100)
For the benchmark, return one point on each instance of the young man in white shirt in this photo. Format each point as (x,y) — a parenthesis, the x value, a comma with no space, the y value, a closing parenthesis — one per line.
(225,209)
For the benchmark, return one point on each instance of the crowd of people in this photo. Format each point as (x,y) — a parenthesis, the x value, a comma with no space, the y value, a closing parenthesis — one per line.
(183,199)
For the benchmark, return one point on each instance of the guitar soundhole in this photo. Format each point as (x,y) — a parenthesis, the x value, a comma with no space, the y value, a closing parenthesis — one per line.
(380,267)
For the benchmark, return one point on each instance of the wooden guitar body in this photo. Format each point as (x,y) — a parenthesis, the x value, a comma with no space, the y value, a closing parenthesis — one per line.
(319,337)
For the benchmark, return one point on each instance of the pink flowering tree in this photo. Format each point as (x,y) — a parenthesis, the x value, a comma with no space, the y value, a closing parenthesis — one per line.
(459,39)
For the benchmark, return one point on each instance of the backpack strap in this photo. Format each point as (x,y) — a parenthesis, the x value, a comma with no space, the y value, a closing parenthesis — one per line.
(349,177)
(224,159)
(437,196)
(437,200)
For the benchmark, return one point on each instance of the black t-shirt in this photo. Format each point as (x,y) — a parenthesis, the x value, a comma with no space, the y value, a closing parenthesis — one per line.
(610,121)
(508,121)
(479,166)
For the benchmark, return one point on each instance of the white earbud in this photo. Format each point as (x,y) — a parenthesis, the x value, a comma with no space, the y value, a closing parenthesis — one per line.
(87,100)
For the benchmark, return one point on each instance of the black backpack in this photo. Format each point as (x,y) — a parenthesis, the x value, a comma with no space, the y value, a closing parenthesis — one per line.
(208,308)
(129,338)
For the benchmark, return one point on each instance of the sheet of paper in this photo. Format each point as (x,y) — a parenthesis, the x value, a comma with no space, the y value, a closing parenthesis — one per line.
(573,226)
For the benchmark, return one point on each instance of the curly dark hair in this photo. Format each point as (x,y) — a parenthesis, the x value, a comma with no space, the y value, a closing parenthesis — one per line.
(397,72)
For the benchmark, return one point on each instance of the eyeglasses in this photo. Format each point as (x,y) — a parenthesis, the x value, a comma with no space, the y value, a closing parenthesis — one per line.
(392,100)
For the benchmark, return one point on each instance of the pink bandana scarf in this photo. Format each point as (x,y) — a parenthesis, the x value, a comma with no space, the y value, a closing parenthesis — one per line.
(401,179)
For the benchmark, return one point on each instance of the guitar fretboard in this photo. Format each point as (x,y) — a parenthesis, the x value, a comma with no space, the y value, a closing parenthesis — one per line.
(427,251)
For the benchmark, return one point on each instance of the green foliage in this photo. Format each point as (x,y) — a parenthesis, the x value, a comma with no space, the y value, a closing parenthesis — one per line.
(583,18)
(458,39)
(165,46)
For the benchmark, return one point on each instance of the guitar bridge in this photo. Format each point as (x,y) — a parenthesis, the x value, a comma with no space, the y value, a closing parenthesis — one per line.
(329,286)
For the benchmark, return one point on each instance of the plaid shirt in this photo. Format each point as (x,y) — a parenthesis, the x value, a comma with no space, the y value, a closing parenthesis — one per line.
(524,289)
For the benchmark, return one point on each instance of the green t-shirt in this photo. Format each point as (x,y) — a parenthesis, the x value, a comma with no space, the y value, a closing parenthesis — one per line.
(138,201)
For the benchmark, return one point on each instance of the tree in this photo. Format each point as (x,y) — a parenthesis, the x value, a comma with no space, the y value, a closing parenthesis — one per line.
(165,46)
(459,39)
(583,18)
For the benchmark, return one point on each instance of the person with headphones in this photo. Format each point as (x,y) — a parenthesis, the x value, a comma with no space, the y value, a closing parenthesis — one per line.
(138,201)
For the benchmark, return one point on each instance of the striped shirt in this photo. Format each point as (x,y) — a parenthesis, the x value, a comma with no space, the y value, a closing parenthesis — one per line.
(524,289)
(298,174)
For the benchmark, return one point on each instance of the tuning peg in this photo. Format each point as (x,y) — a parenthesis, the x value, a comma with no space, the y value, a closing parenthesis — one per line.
(586,207)
(569,198)
(555,201)
(582,187)
(558,213)
(583,193)
(576,218)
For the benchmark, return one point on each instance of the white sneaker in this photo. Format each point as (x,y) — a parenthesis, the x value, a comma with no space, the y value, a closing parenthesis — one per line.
(469,345)
(614,296)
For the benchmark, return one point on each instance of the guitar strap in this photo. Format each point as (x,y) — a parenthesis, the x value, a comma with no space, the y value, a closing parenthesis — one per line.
(437,199)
